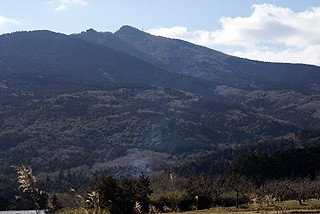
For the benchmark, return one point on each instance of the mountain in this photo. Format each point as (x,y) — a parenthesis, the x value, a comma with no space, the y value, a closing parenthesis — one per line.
(183,57)
(110,40)
(42,56)
(284,91)
(59,57)
(186,58)
(93,103)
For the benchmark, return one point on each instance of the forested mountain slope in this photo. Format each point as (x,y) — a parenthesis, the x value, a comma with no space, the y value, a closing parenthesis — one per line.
(111,105)
(281,90)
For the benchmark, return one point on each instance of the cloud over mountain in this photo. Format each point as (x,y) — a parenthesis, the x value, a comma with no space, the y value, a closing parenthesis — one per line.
(6,22)
(270,33)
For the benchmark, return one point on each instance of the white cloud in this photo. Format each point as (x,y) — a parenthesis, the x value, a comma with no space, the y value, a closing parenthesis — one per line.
(270,33)
(6,21)
(63,4)
(6,24)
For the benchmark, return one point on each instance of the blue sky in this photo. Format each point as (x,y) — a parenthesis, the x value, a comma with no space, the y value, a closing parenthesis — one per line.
(278,30)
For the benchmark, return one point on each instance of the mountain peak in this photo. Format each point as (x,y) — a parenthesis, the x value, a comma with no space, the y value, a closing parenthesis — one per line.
(131,33)
(128,28)
(91,30)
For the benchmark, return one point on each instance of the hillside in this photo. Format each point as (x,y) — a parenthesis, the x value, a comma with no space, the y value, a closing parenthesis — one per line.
(50,56)
(138,128)
(76,108)
(183,57)
(284,91)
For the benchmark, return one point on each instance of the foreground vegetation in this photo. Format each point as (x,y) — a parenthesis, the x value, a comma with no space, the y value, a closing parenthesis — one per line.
(248,185)
(167,192)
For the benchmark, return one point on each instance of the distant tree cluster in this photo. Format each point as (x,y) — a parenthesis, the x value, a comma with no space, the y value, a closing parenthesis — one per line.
(289,164)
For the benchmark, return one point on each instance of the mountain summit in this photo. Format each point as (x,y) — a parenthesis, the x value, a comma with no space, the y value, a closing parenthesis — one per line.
(197,61)
(186,58)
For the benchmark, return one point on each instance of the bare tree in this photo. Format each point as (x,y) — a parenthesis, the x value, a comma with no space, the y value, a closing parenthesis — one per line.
(239,184)
(301,189)
(316,187)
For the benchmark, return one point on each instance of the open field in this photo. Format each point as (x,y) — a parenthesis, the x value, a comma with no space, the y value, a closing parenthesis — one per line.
(287,207)
(311,206)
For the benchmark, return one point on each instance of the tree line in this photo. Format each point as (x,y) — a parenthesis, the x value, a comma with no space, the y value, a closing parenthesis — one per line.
(251,178)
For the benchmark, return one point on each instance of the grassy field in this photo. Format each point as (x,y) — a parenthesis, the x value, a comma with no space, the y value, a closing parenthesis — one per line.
(310,206)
